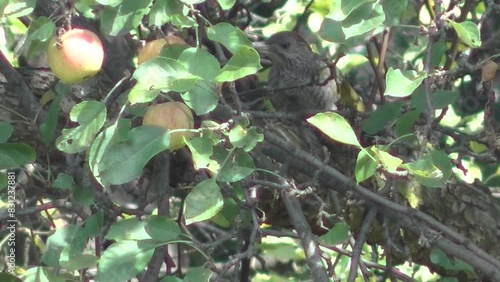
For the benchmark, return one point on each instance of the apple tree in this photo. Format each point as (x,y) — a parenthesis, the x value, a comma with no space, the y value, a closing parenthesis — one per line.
(138,143)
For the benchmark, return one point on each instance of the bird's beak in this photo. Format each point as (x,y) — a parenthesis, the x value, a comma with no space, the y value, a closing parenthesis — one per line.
(264,51)
(261,47)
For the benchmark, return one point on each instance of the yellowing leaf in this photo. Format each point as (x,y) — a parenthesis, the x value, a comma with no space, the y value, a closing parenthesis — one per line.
(335,127)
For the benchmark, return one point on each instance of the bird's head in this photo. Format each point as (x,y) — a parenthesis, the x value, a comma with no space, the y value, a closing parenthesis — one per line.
(285,48)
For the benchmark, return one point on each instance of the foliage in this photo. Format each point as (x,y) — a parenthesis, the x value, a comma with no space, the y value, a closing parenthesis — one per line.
(252,183)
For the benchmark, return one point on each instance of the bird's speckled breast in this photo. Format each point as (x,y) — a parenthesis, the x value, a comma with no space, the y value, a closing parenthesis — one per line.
(286,98)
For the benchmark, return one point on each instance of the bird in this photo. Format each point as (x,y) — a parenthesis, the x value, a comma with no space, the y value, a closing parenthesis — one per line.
(300,80)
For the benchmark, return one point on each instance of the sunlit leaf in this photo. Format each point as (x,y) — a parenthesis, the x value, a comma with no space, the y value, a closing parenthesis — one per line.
(335,127)
(229,36)
(124,259)
(124,17)
(402,83)
(91,116)
(244,62)
(337,235)
(468,32)
(124,161)
(235,165)
(203,202)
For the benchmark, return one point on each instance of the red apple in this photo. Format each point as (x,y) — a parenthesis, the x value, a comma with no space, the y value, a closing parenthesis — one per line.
(171,115)
(75,55)
(153,48)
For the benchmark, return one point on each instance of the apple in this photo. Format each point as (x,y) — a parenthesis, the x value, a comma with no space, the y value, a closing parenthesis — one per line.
(153,48)
(170,116)
(75,55)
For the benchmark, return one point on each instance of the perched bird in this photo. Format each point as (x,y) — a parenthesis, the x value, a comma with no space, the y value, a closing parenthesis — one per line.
(300,79)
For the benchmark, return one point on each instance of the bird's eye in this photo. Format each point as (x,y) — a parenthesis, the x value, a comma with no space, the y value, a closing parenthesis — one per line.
(285,45)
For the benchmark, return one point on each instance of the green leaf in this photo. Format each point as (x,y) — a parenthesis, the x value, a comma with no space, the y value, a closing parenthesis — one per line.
(91,116)
(164,11)
(172,279)
(235,166)
(335,127)
(438,257)
(157,228)
(341,9)
(389,162)
(382,117)
(366,164)
(226,4)
(394,10)
(44,31)
(3,4)
(245,136)
(72,236)
(42,274)
(402,84)
(13,155)
(120,20)
(203,202)
(183,20)
(229,36)
(36,39)
(64,182)
(142,94)
(84,196)
(124,161)
(201,150)
(160,74)
(438,53)
(245,61)
(371,158)
(162,228)
(225,218)
(158,13)
(98,149)
(48,128)
(405,124)
(199,62)
(337,235)
(19,8)
(202,98)
(283,248)
(94,223)
(79,261)
(128,229)
(123,260)
(365,18)
(112,3)
(5,131)
(424,168)
(72,257)
(174,51)
(433,170)
(439,99)
(468,32)
(442,161)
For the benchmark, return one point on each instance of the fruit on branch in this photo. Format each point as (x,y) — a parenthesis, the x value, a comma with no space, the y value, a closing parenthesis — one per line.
(153,48)
(75,55)
(170,116)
